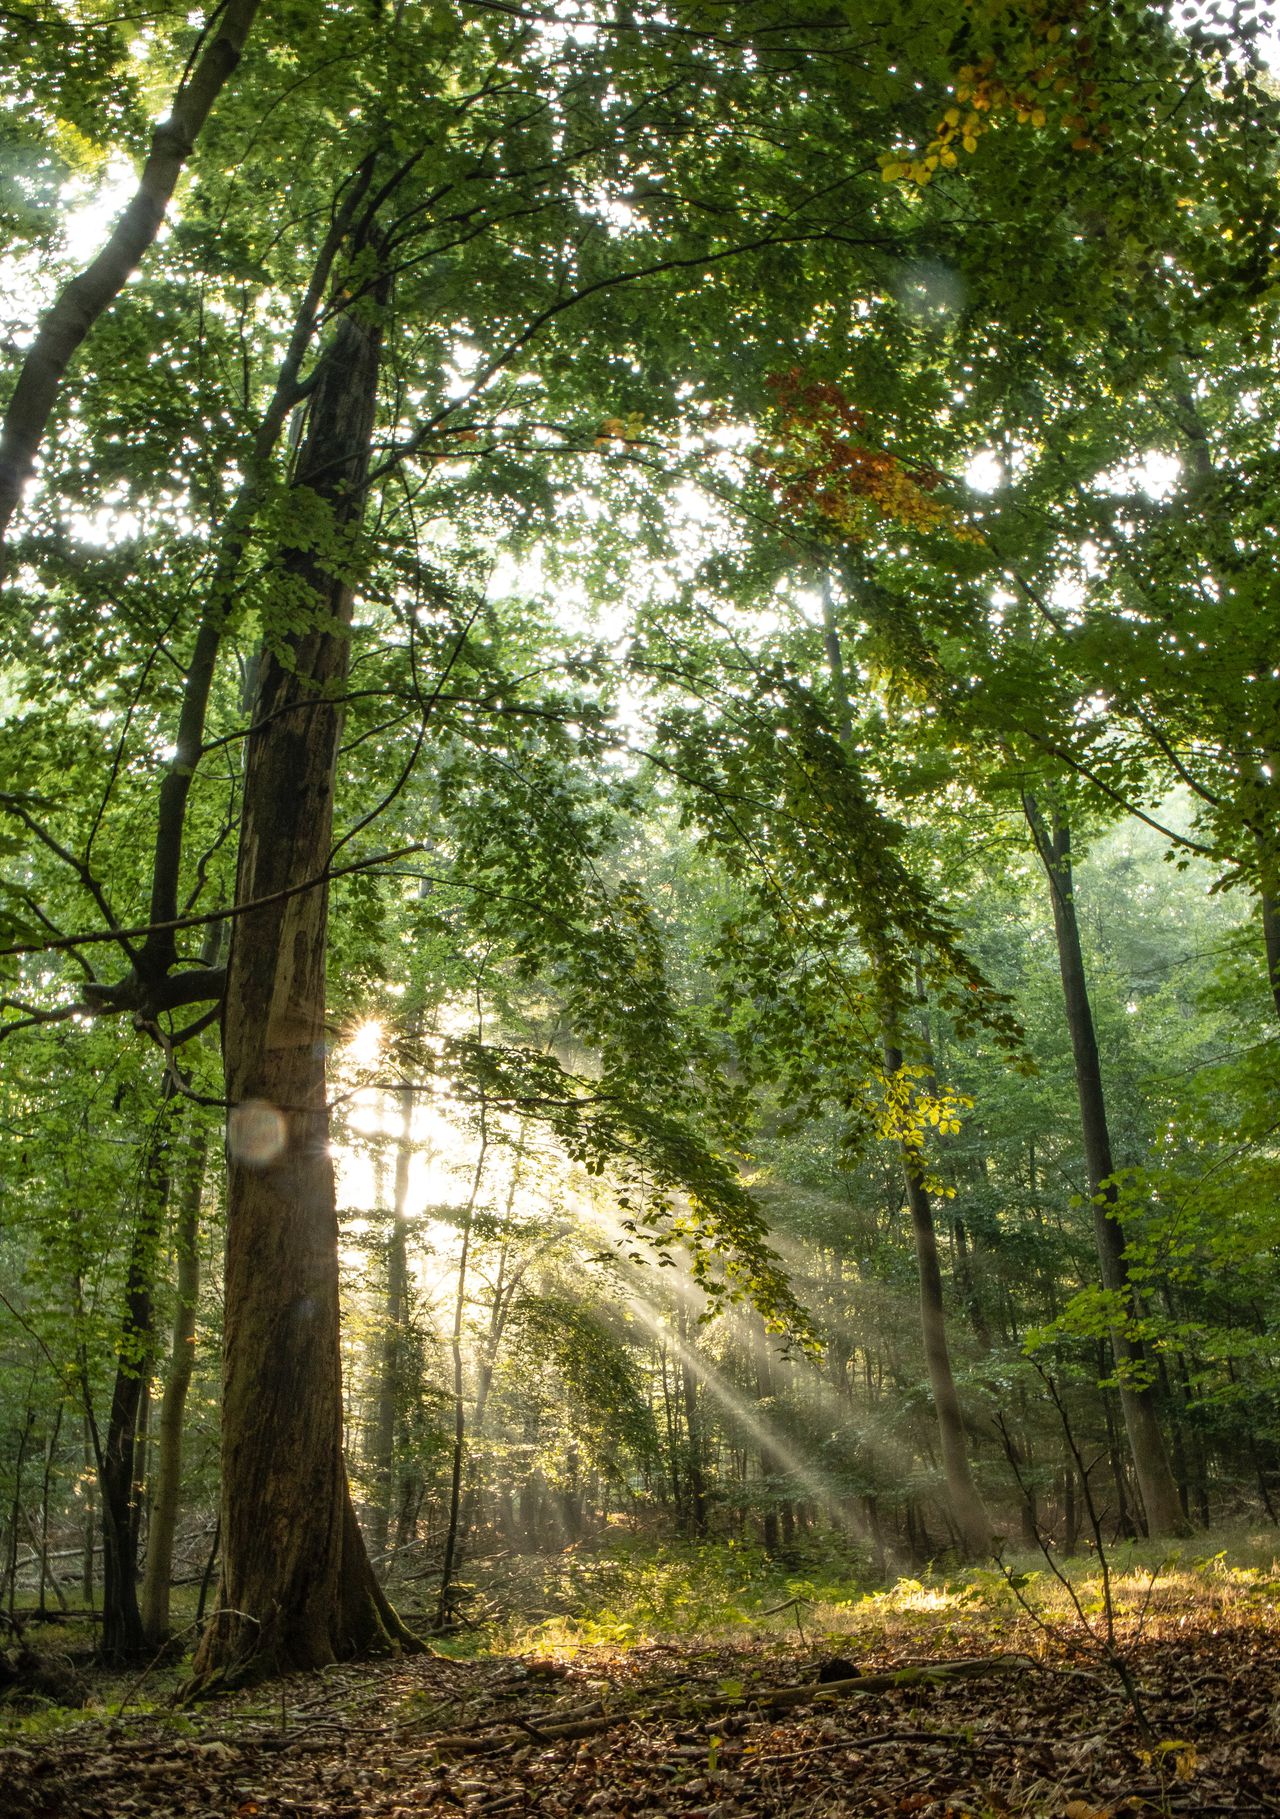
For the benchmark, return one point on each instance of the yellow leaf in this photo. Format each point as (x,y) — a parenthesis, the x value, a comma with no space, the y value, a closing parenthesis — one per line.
(891,172)
(970,143)
(952,116)
(1038,117)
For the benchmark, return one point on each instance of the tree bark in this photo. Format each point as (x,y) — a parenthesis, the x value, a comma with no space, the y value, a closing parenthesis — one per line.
(118,1462)
(297,1589)
(444,1602)
(973,1525)
(769,1463)
(168,1449)
(90,292)
(1271,944)
(395,1315)
(1137,1394)
(695,1477)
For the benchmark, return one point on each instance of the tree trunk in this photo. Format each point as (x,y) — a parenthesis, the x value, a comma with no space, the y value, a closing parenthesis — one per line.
(15,1510)
(973,1524)
(168,1449)
(46,1485)
(444,1602)
(1137,1394)
(118,1463)
(1271,944)
(504,1293)
(395,1316)
(769,1464)
(89,1524)
(297,1590)
(695,1478)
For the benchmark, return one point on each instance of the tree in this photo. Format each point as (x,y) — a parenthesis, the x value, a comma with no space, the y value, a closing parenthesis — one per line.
(1159,1493)
(505,249)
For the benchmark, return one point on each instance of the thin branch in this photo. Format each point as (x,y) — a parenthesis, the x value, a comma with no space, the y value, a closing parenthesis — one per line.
(221,915)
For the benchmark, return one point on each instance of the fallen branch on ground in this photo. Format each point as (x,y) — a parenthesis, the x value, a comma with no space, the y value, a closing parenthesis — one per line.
(764,1698)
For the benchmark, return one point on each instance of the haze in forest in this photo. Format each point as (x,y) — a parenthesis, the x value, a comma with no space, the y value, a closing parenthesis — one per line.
(639,723)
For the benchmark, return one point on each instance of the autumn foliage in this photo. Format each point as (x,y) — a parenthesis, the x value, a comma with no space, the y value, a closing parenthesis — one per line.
(821,464)
(1037,70)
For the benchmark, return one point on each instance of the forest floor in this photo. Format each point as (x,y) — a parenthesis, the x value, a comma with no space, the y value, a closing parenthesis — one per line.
(1023,1710)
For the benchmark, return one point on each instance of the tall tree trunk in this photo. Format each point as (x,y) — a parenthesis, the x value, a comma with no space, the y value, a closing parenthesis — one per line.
(79,305)
(1271,943)
(504,1294)
(444,1610)
(297,1589)
(769,1464)
(969,1516)
(672,1427)
(46,1485)
(118,1463)
(395,1317)
(973,1525)
(1137,1393)
(168,1447)
(89,1522)
(695,1476)
(968,1286)
(15,1509)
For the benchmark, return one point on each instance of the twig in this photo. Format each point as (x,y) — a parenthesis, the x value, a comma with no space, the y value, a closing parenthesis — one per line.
(777,1698)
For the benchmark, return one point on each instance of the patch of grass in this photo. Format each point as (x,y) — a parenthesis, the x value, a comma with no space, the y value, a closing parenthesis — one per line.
(634,1594)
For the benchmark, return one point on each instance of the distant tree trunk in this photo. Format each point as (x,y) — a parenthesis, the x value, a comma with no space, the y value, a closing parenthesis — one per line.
(672,1429)
(1163,1511)
(1271,943)
(122,1636)
(15,1510)
(89,1525)
(297,1589)
(768,1456)
(694,1473)
(443,1602)
(395,1317)
(968,1286)
(46,1483)
(168,1449)
(973,1525)
(1124,1521)
(1071,1512)
(504,1293)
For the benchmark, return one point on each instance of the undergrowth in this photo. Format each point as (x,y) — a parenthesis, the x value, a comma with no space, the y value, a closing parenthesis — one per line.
(620,1595)
(632,1594)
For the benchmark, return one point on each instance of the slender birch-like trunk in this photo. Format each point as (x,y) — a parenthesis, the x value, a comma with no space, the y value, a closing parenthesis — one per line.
(1164,1514)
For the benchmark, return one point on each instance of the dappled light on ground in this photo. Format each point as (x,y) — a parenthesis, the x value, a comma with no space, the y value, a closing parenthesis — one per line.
(833,1720)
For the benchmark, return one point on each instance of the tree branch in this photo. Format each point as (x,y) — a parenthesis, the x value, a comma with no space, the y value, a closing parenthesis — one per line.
(89,293)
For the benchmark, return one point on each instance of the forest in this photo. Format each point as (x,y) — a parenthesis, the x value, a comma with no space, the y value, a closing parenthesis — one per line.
(639,907)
